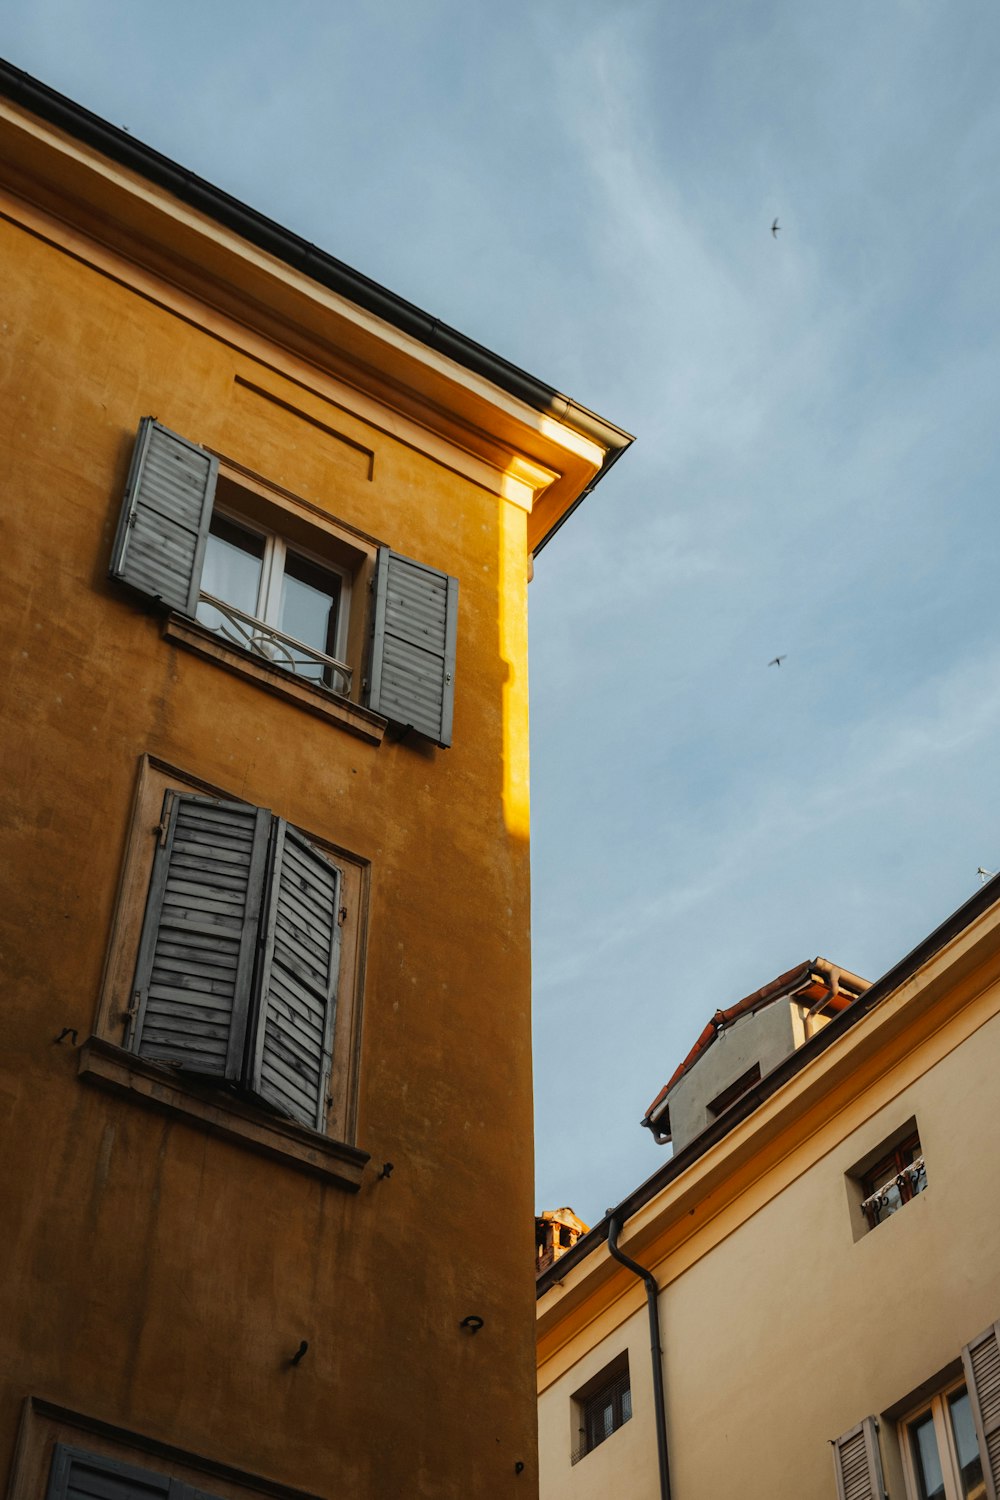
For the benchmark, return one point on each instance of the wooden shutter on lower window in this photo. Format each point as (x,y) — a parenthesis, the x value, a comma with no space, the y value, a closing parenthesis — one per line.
(297,981)
(411,676)
(79,1475)
(196,954)
(981,1359)
(858,1463)
(163,526)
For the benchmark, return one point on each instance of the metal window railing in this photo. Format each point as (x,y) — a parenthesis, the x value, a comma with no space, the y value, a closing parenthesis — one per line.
(893,1194)
(277,648)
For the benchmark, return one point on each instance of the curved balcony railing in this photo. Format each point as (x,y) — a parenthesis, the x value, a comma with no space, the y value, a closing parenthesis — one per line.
(894,1193)
(275,647)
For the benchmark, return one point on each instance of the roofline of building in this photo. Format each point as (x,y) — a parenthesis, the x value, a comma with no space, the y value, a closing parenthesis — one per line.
(987,896)
(787,984)
(306,258)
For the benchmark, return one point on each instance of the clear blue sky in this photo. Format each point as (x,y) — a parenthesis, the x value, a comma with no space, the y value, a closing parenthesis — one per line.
(588,189)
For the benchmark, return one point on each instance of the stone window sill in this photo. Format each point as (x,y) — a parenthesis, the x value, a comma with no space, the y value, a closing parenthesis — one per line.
(350,716)
(110,1067)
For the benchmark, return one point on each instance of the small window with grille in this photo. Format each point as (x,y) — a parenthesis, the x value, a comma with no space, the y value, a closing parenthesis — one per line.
(887,1178)
(602,1406)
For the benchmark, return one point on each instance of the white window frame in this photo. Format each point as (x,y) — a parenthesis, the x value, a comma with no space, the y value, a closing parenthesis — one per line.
(272,578)
(937,1405)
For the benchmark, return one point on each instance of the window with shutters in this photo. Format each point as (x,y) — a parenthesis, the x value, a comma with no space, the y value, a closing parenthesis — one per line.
(948,1434)
(260,580)
(237,951)
(939,1449)
(601,1407)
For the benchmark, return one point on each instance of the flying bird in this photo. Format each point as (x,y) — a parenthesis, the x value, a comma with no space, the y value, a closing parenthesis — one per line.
(777,660)
(774,228)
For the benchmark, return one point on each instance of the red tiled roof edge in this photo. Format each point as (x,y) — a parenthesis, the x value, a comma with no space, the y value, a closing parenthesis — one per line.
(724,1018)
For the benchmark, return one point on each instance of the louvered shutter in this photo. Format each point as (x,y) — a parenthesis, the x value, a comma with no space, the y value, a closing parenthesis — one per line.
(162,530)
(297,981)
(411,677)
(981,1359)
(78,1475)
(858,1463)
(196,954)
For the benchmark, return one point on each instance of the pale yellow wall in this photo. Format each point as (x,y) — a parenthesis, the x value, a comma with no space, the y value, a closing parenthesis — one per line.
(620,1466)
(780,1329)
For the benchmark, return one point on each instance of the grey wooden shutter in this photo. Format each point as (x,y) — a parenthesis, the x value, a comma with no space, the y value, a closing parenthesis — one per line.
(78,1475)
(858,1463)
(981,1359)
(194,975)
(411,677)
(297,979)
(163,526)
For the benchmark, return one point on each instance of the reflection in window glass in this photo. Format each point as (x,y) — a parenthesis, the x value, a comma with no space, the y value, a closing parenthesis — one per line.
(232,569)
(309,598)
(926,1459)
(969,1466)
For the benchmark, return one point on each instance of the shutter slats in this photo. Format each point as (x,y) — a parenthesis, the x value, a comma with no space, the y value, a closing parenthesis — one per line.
(164,519)
(857,1463)
(296,986)
(197,949)
(241,931)
(78,1475)
(981,1360)
(411,673)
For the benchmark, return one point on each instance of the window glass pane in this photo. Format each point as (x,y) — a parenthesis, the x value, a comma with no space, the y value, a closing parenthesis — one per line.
(970,1468)
(926,1460)
(309,598)
(233,561)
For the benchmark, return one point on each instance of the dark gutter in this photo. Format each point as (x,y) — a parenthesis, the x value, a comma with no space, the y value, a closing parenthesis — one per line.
(950,928)
(655,1350)
(303,256)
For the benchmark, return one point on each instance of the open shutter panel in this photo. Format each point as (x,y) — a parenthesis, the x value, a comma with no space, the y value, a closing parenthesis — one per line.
(196,954)
(297,983)
(412,669)
(160,545)
(78,1475)
(981,1359)
(858,1463)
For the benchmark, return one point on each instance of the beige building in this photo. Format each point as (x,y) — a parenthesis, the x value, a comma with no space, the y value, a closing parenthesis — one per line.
(803,1300)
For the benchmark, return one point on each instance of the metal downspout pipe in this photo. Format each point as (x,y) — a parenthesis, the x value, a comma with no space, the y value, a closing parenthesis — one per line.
(656,1353)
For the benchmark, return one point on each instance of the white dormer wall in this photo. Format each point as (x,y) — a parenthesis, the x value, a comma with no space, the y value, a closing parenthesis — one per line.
(766,1036)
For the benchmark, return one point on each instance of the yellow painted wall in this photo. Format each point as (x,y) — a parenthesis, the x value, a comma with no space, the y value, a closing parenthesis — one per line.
(153,1275)
(781,1330)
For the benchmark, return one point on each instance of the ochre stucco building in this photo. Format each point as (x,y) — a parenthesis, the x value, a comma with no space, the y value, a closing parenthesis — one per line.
(809,1298)
(265,935)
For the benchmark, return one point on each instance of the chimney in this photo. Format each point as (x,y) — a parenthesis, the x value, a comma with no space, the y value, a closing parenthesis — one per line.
(556,1231)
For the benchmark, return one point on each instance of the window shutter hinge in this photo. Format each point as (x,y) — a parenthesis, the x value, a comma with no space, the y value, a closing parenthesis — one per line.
(342,916)
(132,516)
(133,1010)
